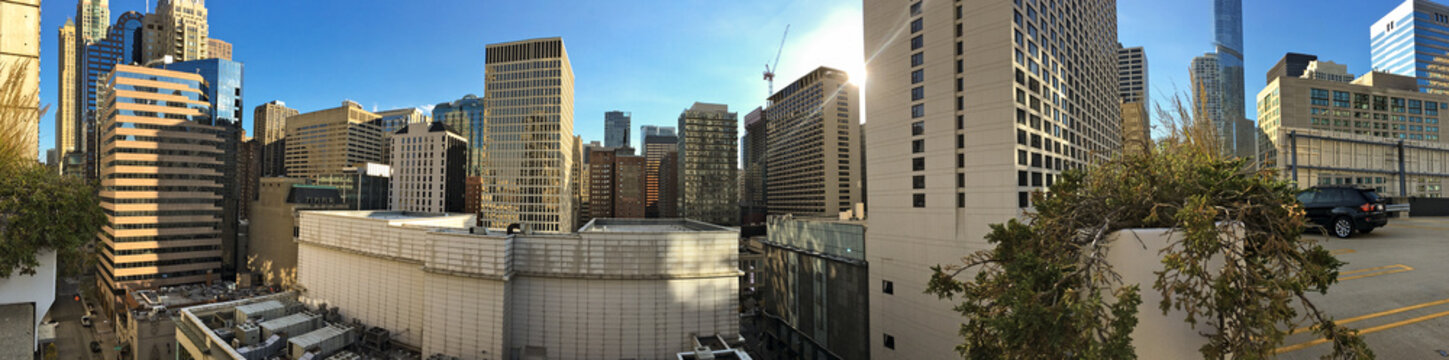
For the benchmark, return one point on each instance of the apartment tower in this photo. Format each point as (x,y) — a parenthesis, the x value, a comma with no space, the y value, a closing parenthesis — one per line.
(616,129)
(427,169)
(95,19)
(270,127)
(810,152)
(708,164)
(161,182)
(528,150)
(177,28)
(20,32)
(67,140)
(974,105)
(217,49)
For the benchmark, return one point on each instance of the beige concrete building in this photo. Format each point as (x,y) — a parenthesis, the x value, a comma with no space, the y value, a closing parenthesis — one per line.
(1136,128)
(636,288)
(961,127)
(1377,131)
(67,139)
(708,164)
(160,182)
(270,127)
(177,28)
(325,142)
(20,46)
(1132,85)
(528,151)
(428,161)
(274,223)
(812,158)
(218,49)
(94,17)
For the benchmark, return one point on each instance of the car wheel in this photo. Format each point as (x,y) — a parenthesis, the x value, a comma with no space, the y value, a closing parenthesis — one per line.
(1342,227)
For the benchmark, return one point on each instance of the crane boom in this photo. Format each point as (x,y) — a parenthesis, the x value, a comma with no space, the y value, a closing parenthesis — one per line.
(770,68)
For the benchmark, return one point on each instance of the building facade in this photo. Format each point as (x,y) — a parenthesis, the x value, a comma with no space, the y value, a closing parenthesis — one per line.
(94,17)
(162,230)
(527,150)
(122,45)
(20,29)
(334,147)
(616,129)
(1327,70)
(67,139)
(218,49)
(465,116)
(941,167)
(616,183)
(655,130)
(177,28)
(391,121)
(815,281)
(511,297)
(222,84)
(708,164)
(658,143)
(427,169)
(1405,42)
(1228,44)
(752,183)
(1291,65)
(272,252)
(1379,131)
(811,155)
(1132,86)
(270,127)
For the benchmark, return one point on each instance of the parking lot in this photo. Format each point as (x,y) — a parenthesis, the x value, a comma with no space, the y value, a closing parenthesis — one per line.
(1394,290)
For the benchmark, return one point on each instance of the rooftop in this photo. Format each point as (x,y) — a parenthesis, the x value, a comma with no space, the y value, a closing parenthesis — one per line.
(613,225)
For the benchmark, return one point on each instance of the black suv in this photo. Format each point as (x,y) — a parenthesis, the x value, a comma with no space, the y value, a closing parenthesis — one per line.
(1343,209)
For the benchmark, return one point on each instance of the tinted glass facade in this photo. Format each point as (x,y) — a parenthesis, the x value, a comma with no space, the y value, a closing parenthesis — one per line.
(1411,41)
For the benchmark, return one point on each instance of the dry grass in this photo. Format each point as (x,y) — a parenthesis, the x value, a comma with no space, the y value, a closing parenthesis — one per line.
(17,113)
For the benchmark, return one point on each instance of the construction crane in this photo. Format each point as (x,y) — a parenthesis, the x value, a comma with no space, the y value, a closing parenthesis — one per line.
(769,68)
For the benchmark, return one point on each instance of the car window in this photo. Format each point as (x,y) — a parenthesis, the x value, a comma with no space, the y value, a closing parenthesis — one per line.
(1371,195)
(1307,196)
(1351,195)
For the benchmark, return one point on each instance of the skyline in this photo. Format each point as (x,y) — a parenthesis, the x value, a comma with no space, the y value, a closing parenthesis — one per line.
(441,58)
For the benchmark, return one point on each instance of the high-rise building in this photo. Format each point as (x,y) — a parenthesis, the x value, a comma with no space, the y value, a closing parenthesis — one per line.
(669,184)
(1327,70)
(67,139)
(120,46)
(1228,41)
(270,127)
(815,285)
(274,222)
(655,130)
(658,143)
(427,169)
(1291,65)
(1404,42)
(616,183)
(248,165)
(942,106)
(1207,103)
(528,133)
(177,28)
(222,82)
(218,49)
(1132,81)
(332,146)
(20,46)
(752,182)
(465,116)
(811,155)
(95,19)
(708,162)
(1132,85)
(162,230)
(392,121)
(616,129)
(1389,138)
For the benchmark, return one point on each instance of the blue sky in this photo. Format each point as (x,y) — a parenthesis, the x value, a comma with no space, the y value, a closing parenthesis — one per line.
(655,58)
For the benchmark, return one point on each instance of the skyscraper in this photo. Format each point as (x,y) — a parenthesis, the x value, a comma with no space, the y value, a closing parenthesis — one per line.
(528,137)
(392,121)
(465,116)
(1228,41)
(752,181)
(331,146)
(658,143)
(1406,41)
(811,155)
(708,162)
(95,19)
(20,46)
(177,28)
(162,230)
(616,183)
(427,168)
(1207,101)
(67,139)
(616,129)
(218,49)
(1291,65)
(963,127)
(222,82)
(270,127)
(1132,85)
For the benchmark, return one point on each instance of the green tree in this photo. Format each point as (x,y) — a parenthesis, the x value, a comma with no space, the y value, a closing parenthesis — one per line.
(40,210)
(1237,263)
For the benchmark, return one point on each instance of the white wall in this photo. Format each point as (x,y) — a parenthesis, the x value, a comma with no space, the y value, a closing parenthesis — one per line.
(1157,336)
(38,288)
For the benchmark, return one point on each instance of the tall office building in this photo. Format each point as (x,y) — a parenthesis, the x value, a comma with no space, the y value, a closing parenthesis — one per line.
(1207,103)
(95,19)
(334,147)
(270,127)
(20,45)
(222,82)
(465,116)
(752,181)
(1228,41)
(616,129)
(708,164)
(427,169)
(1132,85)
(528,150)
(1291,65)
(218,49)
(392,121)
(1406,42)
(810,152)
(162,230)
(177,28)
(120,46)
(963,126)
(655,130)
(67,140)
(658,143)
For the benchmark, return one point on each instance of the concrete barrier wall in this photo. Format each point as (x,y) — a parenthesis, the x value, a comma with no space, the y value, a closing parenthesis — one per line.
(1428,206)
(1157,336)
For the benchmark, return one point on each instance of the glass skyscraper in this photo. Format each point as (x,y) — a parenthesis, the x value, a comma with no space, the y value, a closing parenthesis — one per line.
(1228,42)
(222,86)
(1409,41)
(465,117)
(616,129)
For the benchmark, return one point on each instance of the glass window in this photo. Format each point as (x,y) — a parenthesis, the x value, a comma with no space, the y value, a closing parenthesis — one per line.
(918,146)
(916,26)
(918,200)
(917,42)
(917,59)
(916,9)
(918,76)
(918,164)
(918,110)
(918,93)
(918,128)
(918,182)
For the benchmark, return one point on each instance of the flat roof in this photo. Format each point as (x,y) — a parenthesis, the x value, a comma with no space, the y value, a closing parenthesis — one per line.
(651,226)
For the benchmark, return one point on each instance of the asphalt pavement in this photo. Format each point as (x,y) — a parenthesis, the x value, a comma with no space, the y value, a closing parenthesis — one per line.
(73,340)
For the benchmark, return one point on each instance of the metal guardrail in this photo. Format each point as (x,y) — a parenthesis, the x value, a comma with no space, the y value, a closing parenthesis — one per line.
(1396,208)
